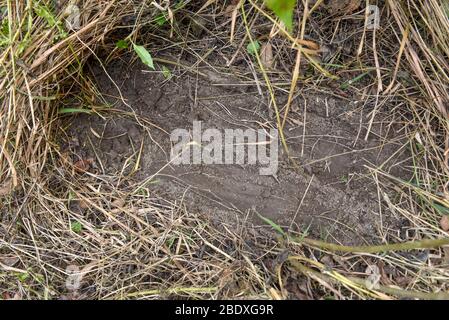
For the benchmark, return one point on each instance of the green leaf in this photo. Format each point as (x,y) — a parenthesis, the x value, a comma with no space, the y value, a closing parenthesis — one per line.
(166,72)
(274,225)
(253,47)
(284,10)
(121,44)
(441,209)
(45,13)
(73,110)
(161,19)
(4,29)
(346,85)
(22,276)
(179,5)
(144,55)
(76,226)
(4,32)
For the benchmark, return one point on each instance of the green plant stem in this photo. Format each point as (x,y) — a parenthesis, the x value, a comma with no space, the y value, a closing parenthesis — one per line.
(411,245)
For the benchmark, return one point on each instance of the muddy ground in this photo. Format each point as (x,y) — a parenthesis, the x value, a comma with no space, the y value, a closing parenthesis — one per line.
(331,194)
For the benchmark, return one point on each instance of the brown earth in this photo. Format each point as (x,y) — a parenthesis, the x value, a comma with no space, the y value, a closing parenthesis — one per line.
(330,194)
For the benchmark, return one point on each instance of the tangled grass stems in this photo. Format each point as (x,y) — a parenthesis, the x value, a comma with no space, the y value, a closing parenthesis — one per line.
(135,245)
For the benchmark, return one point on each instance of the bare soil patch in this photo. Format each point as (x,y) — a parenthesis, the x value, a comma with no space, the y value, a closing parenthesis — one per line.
(330,194)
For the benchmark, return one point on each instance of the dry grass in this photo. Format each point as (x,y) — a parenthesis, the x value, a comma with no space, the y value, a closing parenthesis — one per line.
(135,245)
